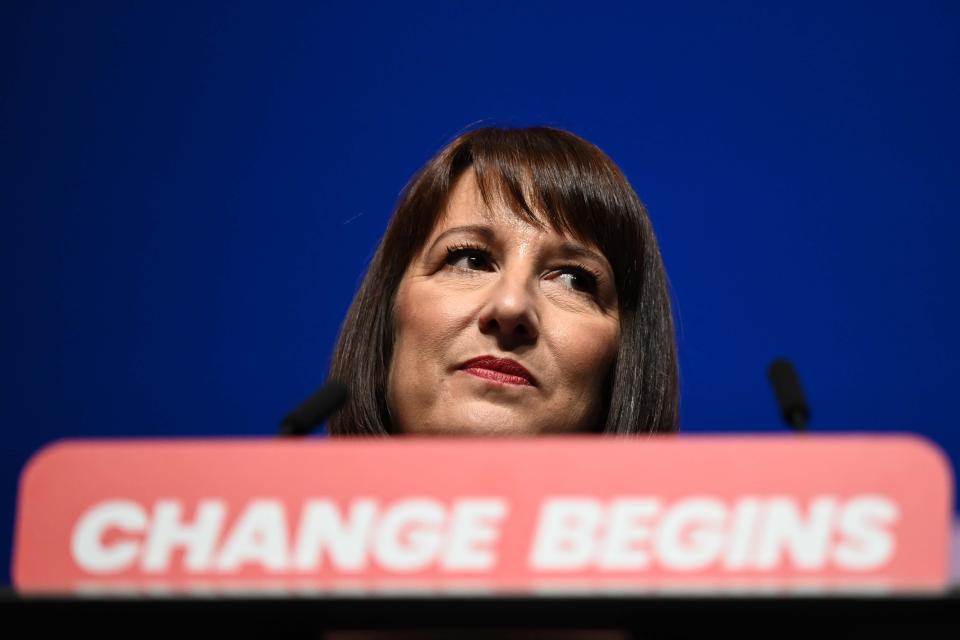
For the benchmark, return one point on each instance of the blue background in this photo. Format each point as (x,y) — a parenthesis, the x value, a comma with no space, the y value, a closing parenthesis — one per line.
(191,192)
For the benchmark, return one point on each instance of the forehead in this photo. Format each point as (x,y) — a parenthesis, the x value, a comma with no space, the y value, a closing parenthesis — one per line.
(467,206)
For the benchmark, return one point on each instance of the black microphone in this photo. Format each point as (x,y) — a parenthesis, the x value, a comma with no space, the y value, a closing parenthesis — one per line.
(786,386)
(315,409)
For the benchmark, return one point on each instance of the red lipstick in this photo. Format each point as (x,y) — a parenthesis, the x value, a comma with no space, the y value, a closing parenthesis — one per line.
(501,370)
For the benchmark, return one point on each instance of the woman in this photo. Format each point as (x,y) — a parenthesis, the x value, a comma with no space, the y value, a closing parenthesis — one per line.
(518,290)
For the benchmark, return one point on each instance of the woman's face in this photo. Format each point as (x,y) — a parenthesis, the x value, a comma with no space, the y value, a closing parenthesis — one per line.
(502,327)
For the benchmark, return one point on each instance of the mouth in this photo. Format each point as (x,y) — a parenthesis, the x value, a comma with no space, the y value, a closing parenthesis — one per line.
(502,370)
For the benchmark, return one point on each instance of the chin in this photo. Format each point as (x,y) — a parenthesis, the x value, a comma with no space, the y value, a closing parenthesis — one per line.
(494,431)
(481,421)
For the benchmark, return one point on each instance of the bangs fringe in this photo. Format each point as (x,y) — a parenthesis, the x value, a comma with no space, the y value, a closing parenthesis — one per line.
(563,182)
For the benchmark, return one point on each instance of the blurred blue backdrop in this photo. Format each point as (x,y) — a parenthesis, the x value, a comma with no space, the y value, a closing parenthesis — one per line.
(191,192)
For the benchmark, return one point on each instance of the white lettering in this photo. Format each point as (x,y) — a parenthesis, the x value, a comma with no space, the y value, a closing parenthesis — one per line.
(409,535)
(86,543)
(167,533)
(629,528)
(784,529)
(566,534)
(742,530)
(321,527)
(690,535)
(571,534)
(258,537)
(473,529)
(866,542)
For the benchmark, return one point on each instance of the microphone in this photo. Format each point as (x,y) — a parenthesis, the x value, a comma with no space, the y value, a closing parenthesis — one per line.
(314,410)
(786,386)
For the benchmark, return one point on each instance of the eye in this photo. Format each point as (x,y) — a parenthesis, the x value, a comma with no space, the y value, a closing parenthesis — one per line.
(469,258)
(577,278)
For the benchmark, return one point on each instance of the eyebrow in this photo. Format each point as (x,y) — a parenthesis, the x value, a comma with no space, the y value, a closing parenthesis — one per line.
(573,250)
(482,230)
(567,249)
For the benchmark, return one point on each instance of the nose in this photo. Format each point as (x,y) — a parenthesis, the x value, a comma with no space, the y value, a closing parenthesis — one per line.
(510,311)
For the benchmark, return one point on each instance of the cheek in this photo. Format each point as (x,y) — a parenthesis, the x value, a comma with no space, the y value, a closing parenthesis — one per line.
(586,350)
(429,323)
(426,320)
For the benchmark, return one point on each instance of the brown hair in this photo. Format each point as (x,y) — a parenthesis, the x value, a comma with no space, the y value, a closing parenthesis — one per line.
(541,174)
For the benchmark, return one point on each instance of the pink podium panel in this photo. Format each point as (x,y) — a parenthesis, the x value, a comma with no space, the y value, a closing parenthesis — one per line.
(551,515)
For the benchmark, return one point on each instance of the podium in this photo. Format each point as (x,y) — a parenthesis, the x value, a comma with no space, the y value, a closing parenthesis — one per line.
(588,617)
(654,537)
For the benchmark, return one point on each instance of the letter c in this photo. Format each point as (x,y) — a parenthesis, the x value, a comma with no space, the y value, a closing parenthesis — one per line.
(87,546)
